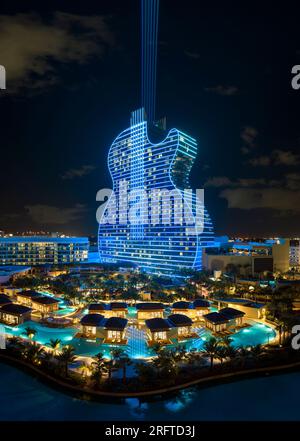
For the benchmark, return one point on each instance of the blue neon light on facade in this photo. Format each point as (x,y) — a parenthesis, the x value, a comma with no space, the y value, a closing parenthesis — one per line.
(156,248)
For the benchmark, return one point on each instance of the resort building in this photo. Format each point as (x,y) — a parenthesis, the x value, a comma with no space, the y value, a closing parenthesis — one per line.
(149,310)
(182,325)
(194,310)
(225,320)
(13,314)
(114,330)
(111,330)
(234,316)
(97,308)
(114,309)
(158,331)
(201,307)
(26,297)
(154,246)
(4,300)
(215,322)
(10,290)
(248,258)
(90,325)
(45,305)
(183,307)
(252,310)
(42,250)
(295,254)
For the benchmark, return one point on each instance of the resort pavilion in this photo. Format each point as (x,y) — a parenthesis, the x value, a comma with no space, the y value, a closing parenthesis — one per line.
(158,331)
(97,308)
(13,314)
(45,305)
(91,324)
(4,300)
(149,310)
(234,316)
(201,307)
(26,297)
(216,322)
(183,307)
(114,330)
(114,309)
(117,309)
(181,326)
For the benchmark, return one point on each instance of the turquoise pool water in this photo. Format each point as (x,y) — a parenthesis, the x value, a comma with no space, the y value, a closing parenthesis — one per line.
(257,334)
(276,398)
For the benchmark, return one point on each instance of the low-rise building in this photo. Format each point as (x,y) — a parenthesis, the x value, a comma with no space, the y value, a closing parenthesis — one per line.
(215,322)
(234,316)
(114,330)
(10,290)
(149,310)
(248,258)
(117,309)
(114,309)
(97,308)
(225,319)
(111,330)
(45,305)
(252,310)
(26,297)
(13,314)
(183,307)
(181,327)
(91,324)
(201,307)
(158,331)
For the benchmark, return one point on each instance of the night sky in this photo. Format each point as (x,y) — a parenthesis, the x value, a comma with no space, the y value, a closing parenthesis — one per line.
(224,77)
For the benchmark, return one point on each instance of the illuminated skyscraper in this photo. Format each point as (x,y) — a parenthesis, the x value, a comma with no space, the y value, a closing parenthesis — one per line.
(150,220)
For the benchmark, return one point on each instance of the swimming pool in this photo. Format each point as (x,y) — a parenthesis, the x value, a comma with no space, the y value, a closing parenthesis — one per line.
(258,333)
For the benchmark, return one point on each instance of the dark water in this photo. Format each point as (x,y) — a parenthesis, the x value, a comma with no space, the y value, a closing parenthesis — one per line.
(23,397)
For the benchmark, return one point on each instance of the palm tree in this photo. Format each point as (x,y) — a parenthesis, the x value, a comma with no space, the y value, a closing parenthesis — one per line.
(65,357)
(123,362)
(231,352)
(180,353)
(221,353)
(85,369)
(15,342)
(166,364)
(55,345)
(243,354)
(210,349)
(111,364)
(256,351)
(34,354)
(47,359)
(30,332)
(98,368)
(225,341)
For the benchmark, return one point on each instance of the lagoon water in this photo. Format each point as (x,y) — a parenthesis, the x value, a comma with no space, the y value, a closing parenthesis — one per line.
(25,398)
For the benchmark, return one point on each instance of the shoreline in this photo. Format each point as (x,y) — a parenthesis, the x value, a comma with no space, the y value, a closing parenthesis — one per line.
(90,394)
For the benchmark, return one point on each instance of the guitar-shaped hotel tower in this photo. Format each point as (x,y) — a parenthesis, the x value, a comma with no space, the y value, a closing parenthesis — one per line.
(151,180)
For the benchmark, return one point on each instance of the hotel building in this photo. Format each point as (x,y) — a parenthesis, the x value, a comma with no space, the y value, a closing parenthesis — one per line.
(171,226)
(249,258)
(295,253)
(43,250)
